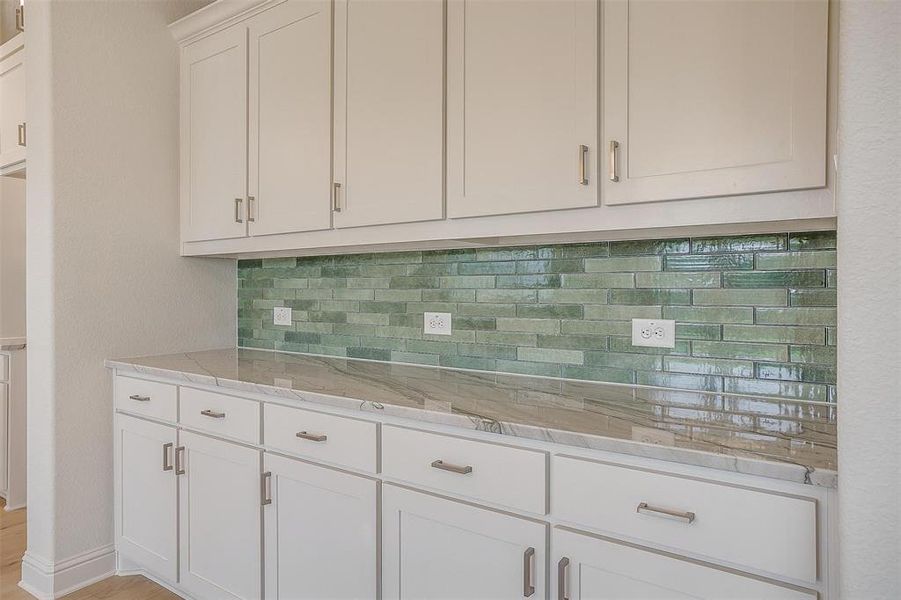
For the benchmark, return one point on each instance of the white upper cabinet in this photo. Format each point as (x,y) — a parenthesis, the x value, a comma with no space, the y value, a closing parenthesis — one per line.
(713,98)
(290,118)
(522,106)
(389,111)
(214,136)
(12,102)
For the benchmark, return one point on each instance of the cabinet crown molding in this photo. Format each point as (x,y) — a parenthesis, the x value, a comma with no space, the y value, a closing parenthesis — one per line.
(214,16)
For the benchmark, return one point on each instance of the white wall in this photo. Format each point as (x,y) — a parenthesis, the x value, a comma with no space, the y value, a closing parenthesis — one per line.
(12,257)
(869,301)
(104,276)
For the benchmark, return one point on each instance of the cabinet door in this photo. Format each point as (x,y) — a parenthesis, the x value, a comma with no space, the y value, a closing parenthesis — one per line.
(436,548)
(146,488)
(290,117)
(219,519)
(12,101)
(214,136)
(4,440)
(590,568)
(320,532)
(521,105)
(714,98)
(389,111)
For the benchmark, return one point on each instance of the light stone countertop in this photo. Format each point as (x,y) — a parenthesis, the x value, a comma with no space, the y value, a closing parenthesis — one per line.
(780,439)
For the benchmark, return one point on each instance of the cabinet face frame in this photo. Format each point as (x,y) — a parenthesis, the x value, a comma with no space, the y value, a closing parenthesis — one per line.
(231,204)
(806,90)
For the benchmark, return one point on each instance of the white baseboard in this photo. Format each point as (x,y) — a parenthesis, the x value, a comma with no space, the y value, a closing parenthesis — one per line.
(47,581)
(127,568)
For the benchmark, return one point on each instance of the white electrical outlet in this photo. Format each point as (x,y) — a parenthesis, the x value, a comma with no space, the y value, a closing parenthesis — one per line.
(281,315)
(658,333)
(436,323)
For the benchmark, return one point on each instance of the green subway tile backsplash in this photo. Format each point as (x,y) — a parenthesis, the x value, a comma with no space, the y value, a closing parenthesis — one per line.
(755,314)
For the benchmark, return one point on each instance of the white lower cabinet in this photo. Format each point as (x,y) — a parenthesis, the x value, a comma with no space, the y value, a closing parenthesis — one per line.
(593,568)
(435,548)
(146,487)
(320,533)
(219,519)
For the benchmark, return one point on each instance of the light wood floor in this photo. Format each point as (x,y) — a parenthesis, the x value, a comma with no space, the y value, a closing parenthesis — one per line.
(12,546)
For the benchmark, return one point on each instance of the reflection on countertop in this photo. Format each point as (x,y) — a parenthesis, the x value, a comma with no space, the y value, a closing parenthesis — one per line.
(770,437)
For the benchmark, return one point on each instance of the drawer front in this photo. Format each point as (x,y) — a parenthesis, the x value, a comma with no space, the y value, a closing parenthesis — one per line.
(512,477)
(758,530)
(146,398)
(228,416)
(319,436)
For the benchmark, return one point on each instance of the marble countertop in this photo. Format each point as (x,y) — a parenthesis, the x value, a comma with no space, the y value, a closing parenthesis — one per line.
(9,344)
(781,439)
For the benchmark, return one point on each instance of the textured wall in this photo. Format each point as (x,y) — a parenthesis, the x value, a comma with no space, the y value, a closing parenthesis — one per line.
(104,276)
(869,218)
(755,314)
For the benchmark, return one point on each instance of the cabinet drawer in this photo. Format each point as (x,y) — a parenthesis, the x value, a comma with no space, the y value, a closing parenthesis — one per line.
(755,529)
(146,398)
(329,438)
(228,416)
(512,477)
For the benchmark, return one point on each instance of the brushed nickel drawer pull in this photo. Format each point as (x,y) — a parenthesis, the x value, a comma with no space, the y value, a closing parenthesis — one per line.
(180,460)
(676,514)
(583,168)
(212,414)
(139,398)
(266,488)
(440,464)
(167,465)
(528,557)
(336,201)
(22,133)
(20,18)
(562,566)
(251,200)
(313,437)
(614,147)
(238,203)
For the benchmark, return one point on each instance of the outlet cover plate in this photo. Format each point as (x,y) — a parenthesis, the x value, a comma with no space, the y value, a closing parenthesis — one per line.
(281,315)
(656,333)
(435,323)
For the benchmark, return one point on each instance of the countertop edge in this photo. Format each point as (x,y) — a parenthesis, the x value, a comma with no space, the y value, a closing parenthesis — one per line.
(792,472)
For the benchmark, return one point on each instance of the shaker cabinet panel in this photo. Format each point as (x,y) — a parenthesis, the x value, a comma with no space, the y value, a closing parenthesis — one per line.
(219,519)
(214,136)
(320,532)
(389,111)
(592,568)
(522,100)
(290,118)
(713,98)
(12,103)
(146,489)
(435,548)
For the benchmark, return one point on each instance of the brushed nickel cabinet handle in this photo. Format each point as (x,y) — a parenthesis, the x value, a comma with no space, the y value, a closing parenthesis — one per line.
(167,464)
(212,414)
(22,135)
(313,437)
(20,18)
(266,488)
(460,470)
(614,148)
(139,398)
(562,565)
(689,517)
(180,460)
(336,198)
(250,202)
(238,203)
(583,167)
(528,587)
